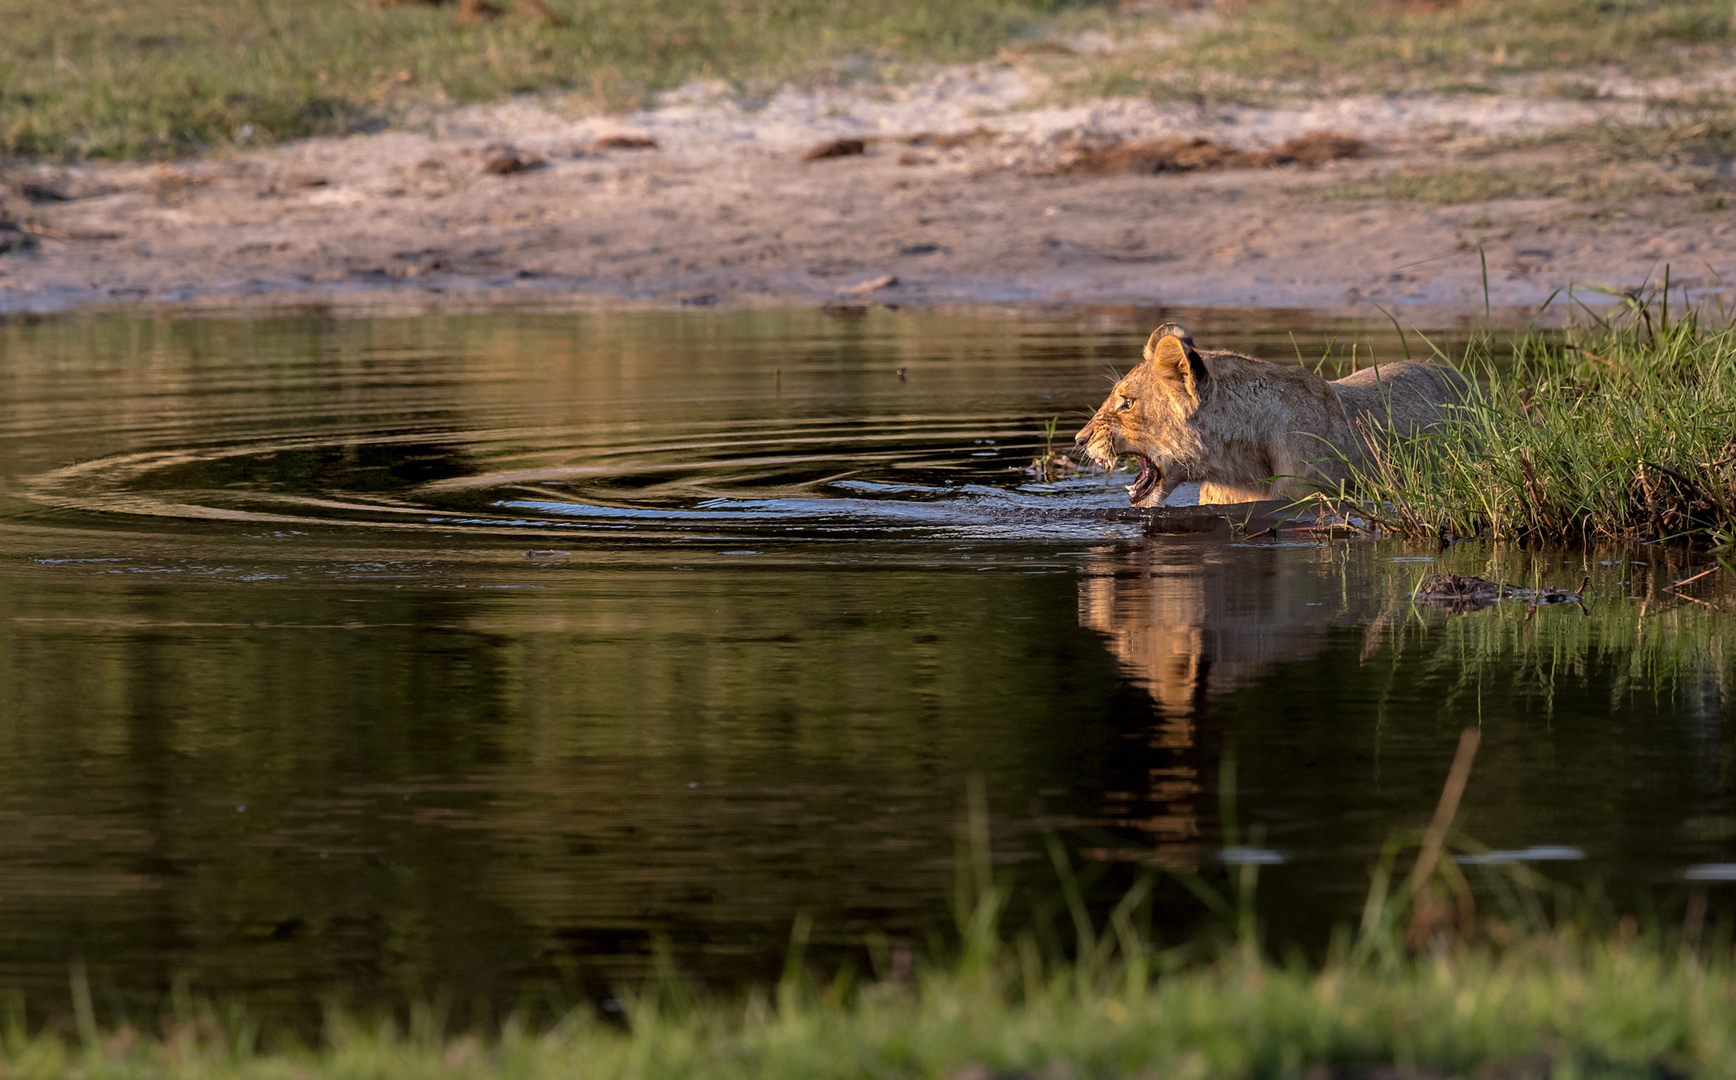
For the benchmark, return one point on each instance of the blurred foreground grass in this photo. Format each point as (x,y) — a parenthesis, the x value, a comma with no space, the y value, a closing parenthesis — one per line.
(98,78)
(1427,985)
(1549,1006)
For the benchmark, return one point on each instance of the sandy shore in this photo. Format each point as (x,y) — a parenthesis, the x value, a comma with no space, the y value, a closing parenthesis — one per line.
(723,211)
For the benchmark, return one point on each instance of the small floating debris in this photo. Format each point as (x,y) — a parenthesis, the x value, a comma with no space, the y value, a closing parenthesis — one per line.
(1052,466)
(1540,853)
(1467,592)
(1461,587)
(1322,530)
(1251,856)
(884,281)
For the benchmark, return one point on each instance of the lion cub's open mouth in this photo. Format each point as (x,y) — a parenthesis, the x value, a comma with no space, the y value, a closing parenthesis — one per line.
(1150,476)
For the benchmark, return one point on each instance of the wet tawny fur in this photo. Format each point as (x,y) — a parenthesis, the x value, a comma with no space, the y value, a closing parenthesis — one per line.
(1246,429)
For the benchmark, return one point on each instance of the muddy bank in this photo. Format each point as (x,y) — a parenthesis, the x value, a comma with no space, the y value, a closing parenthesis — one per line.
(957,190)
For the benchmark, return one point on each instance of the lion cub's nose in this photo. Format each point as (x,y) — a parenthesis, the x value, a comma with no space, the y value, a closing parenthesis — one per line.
(1083,437)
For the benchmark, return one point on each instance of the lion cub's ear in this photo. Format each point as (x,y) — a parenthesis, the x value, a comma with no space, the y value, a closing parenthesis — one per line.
(1170,350)
(1168,329)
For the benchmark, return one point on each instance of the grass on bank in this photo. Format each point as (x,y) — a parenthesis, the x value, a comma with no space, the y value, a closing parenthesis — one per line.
(1624,429)
(1426,985)
(93,78)
(1695,129)
(1449,187)
(1381,45)
(1555,1006)
(1678,147)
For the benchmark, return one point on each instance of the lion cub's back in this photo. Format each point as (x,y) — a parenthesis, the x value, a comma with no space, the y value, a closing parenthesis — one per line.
(1407,393)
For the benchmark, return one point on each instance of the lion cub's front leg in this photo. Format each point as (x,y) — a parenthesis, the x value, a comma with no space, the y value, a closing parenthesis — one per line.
(1213,493)
(1283,479)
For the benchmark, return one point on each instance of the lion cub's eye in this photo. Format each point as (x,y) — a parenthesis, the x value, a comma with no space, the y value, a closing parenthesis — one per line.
(1126,403)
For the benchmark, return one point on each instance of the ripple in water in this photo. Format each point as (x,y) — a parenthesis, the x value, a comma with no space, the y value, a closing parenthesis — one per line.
(530,642)
(894,478)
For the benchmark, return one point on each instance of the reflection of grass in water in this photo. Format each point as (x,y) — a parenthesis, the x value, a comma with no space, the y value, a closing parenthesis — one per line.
(1620,431)
(167,78)
(1515,646)
(1426,982)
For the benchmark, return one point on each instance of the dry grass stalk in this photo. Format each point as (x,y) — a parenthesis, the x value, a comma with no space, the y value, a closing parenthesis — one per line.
(1427,912)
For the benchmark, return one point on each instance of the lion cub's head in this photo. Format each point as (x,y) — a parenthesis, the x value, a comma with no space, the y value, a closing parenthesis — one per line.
(1148,416)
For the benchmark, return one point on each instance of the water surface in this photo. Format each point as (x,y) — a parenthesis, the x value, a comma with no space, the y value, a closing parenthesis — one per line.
(475,656)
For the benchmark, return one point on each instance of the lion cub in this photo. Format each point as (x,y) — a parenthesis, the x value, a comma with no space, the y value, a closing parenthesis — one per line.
(1250,430)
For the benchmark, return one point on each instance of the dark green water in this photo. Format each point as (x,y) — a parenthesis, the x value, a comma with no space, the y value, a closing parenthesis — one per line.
(471,657)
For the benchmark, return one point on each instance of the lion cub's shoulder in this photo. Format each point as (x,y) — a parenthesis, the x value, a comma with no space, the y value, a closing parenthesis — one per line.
(1412,374)
(1247,382)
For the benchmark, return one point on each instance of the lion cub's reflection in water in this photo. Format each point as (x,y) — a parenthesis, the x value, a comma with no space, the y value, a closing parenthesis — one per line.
(1186,616)
(1189,617)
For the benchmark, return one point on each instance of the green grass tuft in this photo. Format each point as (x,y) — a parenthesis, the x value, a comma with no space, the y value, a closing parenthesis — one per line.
(1381,45)
(1451,187)
(1326,38)
(1622,430)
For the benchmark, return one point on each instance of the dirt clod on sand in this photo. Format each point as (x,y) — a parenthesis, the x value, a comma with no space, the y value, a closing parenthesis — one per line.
(950,140)
(506,160)
(836,148)
(1317,148)
(1423,7)
(625,142)
(484,11)
(478,11)
(1186,155)
(540,10)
